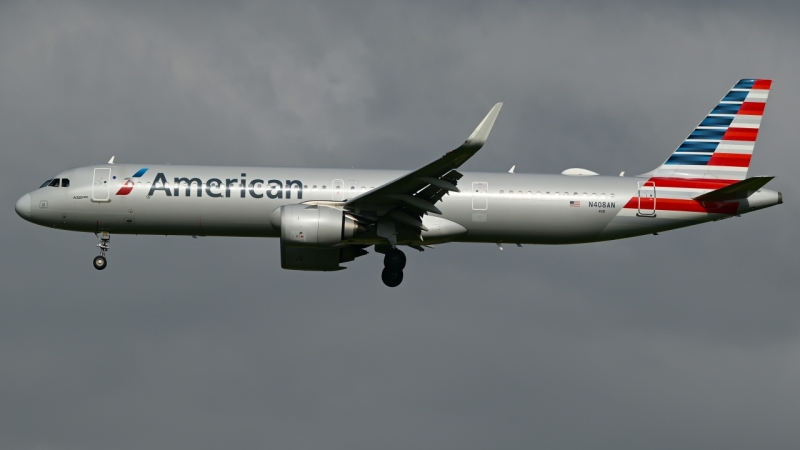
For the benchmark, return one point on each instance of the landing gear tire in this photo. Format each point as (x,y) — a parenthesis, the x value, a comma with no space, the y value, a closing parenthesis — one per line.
(394,260)
(99,262)
(392,278)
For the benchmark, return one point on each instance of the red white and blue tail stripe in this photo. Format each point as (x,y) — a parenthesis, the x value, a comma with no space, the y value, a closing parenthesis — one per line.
(721,146)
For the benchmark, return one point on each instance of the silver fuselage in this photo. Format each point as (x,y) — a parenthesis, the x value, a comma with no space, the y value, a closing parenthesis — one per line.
(491,207)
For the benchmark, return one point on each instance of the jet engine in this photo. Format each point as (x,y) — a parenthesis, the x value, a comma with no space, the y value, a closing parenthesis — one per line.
(313,237)
(313,226)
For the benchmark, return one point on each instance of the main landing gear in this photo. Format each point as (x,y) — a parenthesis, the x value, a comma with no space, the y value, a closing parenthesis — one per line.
(100,262)
(394,262)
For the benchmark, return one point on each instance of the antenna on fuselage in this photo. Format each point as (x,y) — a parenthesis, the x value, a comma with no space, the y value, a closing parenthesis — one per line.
(111,161)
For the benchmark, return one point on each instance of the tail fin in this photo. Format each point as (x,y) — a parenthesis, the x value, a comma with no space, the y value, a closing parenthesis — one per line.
(721,146)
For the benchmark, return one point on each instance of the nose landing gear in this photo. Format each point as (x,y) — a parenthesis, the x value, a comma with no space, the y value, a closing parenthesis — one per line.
(99,262)
(394,262)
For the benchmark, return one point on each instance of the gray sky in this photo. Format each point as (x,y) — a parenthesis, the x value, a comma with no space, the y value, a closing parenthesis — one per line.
(687,340)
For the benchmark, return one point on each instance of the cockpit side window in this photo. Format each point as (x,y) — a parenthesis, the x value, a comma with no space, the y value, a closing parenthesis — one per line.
(46,183)
(65,182)
(55,182)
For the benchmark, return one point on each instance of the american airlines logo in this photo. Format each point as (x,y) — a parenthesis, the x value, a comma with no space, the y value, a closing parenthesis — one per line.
(216,188)
(129,184)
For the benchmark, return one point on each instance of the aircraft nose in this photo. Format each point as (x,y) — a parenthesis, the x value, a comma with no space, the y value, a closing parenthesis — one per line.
(23,206)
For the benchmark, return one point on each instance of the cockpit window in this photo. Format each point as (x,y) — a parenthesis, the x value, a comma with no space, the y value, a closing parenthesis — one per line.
(65,182)
(55,182)
(46,183)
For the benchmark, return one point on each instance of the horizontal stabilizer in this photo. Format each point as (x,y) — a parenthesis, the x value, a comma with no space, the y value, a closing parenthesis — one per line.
(740,190)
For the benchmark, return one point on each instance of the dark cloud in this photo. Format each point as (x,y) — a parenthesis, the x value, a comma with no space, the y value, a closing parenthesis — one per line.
(687,339)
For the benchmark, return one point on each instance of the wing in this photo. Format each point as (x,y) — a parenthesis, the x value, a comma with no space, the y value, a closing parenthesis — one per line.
(408,198)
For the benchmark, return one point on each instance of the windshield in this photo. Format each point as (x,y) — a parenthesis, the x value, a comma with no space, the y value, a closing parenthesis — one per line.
(45,183)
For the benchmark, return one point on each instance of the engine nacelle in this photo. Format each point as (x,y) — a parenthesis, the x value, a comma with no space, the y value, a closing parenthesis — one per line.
(313,225)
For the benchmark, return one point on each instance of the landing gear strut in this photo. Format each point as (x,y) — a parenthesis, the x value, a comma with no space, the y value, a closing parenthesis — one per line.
(100,262)
(394,262)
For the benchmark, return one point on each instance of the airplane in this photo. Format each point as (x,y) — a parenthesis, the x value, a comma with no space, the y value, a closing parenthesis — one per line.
(326,217)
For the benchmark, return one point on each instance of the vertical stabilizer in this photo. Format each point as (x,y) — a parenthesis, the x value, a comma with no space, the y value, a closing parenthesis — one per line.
(722,145)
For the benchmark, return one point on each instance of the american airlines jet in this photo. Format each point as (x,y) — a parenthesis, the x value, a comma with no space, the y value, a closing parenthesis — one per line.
(326,217)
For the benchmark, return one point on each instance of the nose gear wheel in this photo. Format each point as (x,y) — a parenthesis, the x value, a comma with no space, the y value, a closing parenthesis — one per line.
(99,262)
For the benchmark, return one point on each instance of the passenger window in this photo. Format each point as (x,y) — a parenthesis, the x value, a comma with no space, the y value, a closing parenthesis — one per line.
(603,195)
(584,195)
(65,182)
(46,183)
(323,186)
(594,195)
(54,183)
(557,194)
(314,187)
(305,186)
(500,191)
(612,195)
(575,194)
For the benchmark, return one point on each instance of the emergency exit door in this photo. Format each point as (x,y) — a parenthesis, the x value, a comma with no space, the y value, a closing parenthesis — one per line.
(338,190)
(480,195)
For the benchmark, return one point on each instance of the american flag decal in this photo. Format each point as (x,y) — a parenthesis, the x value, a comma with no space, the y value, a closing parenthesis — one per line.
(574,204)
